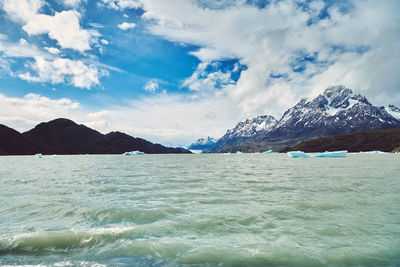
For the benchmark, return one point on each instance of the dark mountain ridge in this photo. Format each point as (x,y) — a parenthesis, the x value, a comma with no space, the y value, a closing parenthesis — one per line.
(386,140)
(63,136)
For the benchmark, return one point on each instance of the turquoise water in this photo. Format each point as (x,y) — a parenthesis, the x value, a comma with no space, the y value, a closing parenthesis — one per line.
(200,210)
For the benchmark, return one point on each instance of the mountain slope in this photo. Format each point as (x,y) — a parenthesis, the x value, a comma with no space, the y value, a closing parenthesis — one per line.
(243,131)
(337,111)
(383,140)
(14,143)
(203,143)
(63,136)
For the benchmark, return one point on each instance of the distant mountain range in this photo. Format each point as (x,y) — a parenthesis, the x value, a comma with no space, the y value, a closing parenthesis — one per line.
(337,111)
(63,136)
(386,140)
(203,143)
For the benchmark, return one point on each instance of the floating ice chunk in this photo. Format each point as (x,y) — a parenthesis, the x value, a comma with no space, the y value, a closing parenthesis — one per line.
(55,156)
(229,153)
(133,153)
(39,155)
(268,152)
(333,154)
(375,152)
(239,152)
(298,154)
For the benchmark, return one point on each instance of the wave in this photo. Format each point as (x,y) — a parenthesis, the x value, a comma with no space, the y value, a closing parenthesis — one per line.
(63,240)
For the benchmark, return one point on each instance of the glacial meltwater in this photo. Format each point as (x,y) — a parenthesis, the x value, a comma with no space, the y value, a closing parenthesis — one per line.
(200,210)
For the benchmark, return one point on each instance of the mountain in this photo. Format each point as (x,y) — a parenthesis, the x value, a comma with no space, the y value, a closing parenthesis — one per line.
(243,131)
(63,136)
(383,140)
(337,111)
(394,111)
(203,143)
(14,143)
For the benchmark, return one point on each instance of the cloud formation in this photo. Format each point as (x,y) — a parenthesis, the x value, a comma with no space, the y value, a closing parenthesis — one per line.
(121,4)
(60,69)
(126,26)
(64,27)
(290,49)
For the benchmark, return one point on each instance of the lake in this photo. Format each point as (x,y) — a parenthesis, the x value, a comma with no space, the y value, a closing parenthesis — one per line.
(200,210)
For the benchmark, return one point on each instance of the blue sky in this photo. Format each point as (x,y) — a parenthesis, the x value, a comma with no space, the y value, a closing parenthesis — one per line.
(172,71)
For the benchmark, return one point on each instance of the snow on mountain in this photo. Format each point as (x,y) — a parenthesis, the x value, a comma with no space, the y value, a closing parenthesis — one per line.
(338,110)
(250,127)
(203,143)
(394,111)
(338,107)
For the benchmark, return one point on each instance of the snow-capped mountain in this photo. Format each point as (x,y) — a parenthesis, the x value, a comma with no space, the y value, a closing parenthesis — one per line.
(250,127)
(244,130)
(203,143)
(337,111)
(394,111)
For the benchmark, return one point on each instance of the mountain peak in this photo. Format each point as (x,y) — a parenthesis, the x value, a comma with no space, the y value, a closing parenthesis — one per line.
(249,127)
(203,143)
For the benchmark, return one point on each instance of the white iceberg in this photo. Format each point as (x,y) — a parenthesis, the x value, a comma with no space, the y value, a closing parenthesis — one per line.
(39,155)
(375,152)
(133,153)
(239,152)
(333,154)
(298,154)
(268,152)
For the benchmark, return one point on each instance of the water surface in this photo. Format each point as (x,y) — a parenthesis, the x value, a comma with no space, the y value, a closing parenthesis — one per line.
(200,210)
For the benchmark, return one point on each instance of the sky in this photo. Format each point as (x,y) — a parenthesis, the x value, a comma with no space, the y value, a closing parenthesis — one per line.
(173,71)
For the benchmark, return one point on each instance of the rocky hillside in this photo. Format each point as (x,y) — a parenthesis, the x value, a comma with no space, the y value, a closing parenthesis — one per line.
(383,140)
(63,136)
(243,131)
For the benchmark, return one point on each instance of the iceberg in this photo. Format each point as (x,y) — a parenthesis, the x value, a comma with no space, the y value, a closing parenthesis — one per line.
(55,156)
(39,155)
(298,154)
(268,152)
(229,153)
(133,153)
(333,154)
(239,152)
(375,152)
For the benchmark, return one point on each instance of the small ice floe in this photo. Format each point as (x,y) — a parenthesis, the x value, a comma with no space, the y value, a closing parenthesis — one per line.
(39,155)
(298,154)
(268,152)
(333,154)
(326,154)
(55,156)
(375,152)
(133,153)
(229,153)
(239,152)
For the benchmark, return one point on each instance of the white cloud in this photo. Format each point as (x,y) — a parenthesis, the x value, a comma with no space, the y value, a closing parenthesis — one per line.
(64,27)
(104,42)
(24,113)
(60,70)
(72,3)
(203,81)
(22,10)
(126,26)
(122,4)
(53,50)
(272,40)
(151,86)
(21,49)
